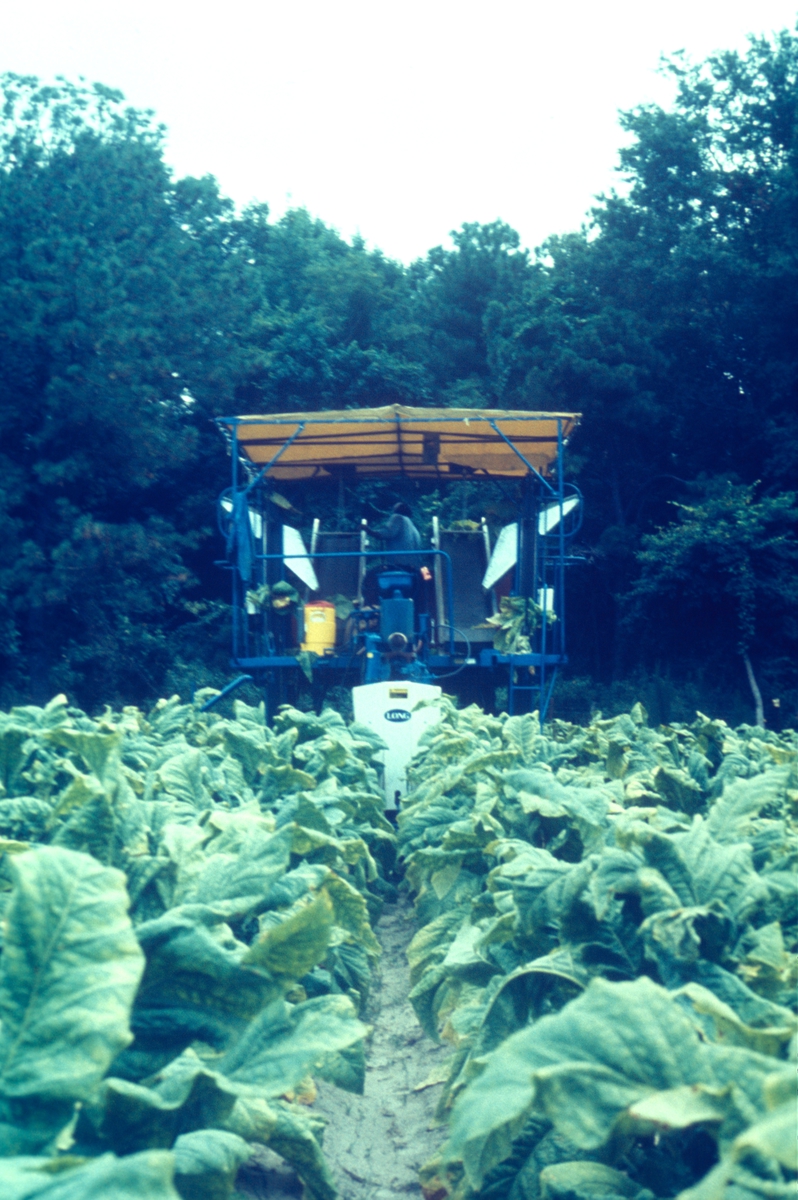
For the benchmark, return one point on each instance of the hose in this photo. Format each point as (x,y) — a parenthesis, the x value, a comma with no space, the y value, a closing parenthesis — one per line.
(451,674)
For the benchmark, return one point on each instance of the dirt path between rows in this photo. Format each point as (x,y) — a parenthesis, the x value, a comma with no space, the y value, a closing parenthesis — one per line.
(375,1143)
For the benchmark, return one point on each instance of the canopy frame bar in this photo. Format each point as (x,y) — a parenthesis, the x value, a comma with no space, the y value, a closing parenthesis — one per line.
(526,461)
(262,472)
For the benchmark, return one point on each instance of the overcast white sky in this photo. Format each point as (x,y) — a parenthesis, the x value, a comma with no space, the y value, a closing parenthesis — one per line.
(399,121)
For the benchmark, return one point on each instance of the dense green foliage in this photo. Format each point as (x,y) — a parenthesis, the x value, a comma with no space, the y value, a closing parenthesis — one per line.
(186,937)
(134,307)
(609,942)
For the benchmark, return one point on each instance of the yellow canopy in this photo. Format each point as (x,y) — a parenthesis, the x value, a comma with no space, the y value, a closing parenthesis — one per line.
(422,443)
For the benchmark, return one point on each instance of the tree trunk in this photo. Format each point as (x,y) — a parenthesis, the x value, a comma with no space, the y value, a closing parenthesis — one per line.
(758,707)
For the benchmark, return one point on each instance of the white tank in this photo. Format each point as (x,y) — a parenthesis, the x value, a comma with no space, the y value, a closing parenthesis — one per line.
(387,708)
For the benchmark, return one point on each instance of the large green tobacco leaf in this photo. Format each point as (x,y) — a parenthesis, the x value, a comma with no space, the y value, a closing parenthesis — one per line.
(14,753)
(194,988)
(290,1130)
(281,1046)
(773,1136)
(248,872)
(730,817)
(296,1137)
(345,1068)
(252,1118)
(70,968)
(524,732)
(307,877)
(538,791)
(350,965)
(722,874)
(351,913)
(518,1176)
(685,934)
(281,780)
(521,993)
(588,1181)
(186,776)
(184,1097)
(182,852)
(677,789)
(24,817)
(753,1009)
(615,1046)
(146,1176)
(89,828)
(81,790)
(93,749)
(207,1162)
(697,869)
(251,747)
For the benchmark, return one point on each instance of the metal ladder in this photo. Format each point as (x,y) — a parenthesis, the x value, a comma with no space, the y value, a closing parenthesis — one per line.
(544,688)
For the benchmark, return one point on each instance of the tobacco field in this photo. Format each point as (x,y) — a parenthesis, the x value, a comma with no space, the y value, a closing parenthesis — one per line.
(169,881)
(604,941)
(608,943)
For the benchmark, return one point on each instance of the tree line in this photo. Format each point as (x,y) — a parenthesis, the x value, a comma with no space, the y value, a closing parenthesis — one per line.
(135,307)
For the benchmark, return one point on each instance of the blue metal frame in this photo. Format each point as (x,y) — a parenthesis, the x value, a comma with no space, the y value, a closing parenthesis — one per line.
(548,570)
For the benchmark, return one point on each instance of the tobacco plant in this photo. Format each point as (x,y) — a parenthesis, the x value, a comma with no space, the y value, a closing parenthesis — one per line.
(186,942)
(608,944)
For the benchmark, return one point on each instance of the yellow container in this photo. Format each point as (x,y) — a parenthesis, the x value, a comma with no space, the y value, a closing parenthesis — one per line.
(319,627)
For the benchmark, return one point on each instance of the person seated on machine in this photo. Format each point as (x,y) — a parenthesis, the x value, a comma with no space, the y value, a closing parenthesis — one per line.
(398,535)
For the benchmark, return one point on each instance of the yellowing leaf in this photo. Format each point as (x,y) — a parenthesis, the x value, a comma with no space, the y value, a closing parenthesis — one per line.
(297,944)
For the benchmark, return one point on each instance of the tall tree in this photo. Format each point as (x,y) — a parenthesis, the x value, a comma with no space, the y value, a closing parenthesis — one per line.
(331,327)
(458,293)
(669,320)
(115,313)
(722,578)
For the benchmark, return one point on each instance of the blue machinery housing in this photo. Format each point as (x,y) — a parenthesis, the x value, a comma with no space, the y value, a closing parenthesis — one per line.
(437,445)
